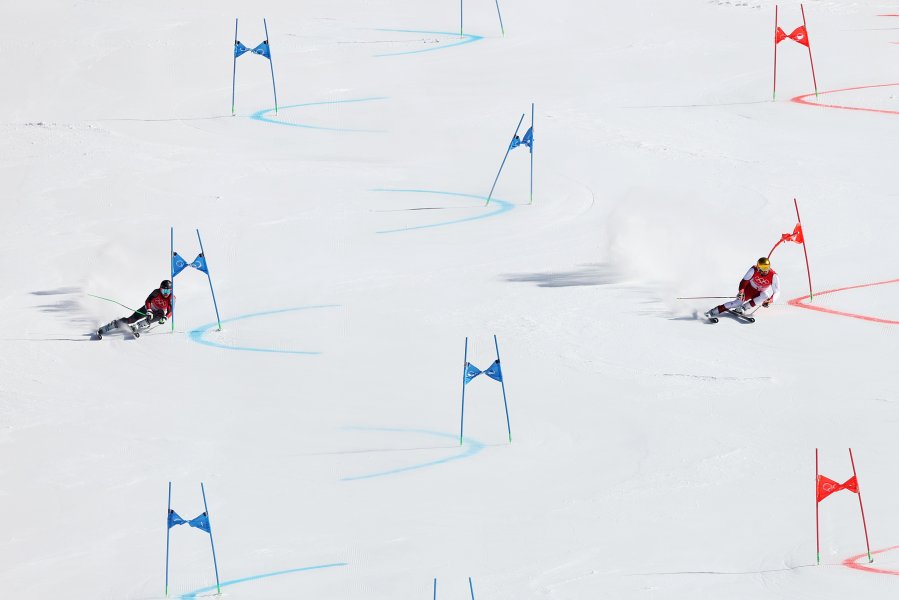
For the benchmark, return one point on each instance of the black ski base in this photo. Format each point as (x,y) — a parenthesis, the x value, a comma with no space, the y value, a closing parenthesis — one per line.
(736,315)
(134,329)
(740,316)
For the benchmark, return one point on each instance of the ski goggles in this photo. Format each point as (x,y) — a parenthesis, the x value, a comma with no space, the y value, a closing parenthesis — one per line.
(165,291)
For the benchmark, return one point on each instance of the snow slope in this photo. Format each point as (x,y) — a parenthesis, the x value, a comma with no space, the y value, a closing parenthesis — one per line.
(653,455)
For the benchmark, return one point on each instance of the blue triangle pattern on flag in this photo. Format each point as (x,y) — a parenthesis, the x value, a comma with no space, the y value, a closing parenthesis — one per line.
(239,49)
(528,139)
(494,371)
(471,372)
(516,142)
(263,50)
(175,519)
(200,264)
(200,522)
(178,264)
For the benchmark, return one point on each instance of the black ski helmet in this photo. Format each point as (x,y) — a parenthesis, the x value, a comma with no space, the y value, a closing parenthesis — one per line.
(165,285)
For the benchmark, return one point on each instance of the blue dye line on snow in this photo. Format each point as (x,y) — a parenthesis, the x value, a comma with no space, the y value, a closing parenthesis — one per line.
(196,335)
(469,449)
(260,115)
(466,39)
(212,588)
(502,207)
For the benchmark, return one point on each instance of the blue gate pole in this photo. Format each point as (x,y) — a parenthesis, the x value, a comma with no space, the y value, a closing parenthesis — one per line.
(460,18)
(501,28)
(532,154)
(214,563)
(503,383)
(471,587)
(435,588)
(464,371)
(508,149)
(172,271)
(234,74)
(168,531)
(271,64)
(209,277)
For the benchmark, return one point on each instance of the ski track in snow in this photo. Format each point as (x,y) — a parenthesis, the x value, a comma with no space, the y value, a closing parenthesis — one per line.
(852,562)
(198,335)
(469,449)
(504,207)
(212,588)
(804,99)
(466,39)
(260,115)
(798,302)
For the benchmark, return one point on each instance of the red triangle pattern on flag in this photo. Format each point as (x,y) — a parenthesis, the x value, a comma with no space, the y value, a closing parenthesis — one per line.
(796,236)
(799,35)
(826,486)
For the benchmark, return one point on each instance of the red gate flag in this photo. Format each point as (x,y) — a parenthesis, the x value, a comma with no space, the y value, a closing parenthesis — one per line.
(827,486)
(799,35)
(796,236)
(824,487)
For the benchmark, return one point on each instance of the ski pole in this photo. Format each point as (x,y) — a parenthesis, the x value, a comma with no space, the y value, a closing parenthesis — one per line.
(142,311)
(705,297)
(113,301)
(749,314)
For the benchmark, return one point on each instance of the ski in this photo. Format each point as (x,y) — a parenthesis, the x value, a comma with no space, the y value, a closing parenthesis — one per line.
(736,315)
(141,326)
(741,317)
(135,328)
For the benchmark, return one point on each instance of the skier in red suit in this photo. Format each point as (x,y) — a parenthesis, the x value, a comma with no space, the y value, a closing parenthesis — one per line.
(157,308)
(760,285)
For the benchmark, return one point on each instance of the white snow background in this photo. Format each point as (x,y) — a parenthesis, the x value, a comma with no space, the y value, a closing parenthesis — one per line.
(654,455)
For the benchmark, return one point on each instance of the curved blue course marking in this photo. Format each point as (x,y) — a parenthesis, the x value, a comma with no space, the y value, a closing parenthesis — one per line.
(469,449)
(259,115)
(466,39)
(212,588)
(196,335)
(502,207)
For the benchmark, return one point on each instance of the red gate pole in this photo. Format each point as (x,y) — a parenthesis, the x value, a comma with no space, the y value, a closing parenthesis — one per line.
(868,545)
(811,294)
(807,39)
(817,530)
(774,93)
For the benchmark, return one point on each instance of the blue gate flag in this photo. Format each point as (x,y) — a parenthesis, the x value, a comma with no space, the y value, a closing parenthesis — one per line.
(200,264)
(263,50)
(471,372)
(178,264)
(528,139)
(175,519)
(494,371)
(200,522)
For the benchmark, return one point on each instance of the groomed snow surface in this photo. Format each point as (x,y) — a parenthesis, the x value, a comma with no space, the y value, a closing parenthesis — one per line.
(653,455)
